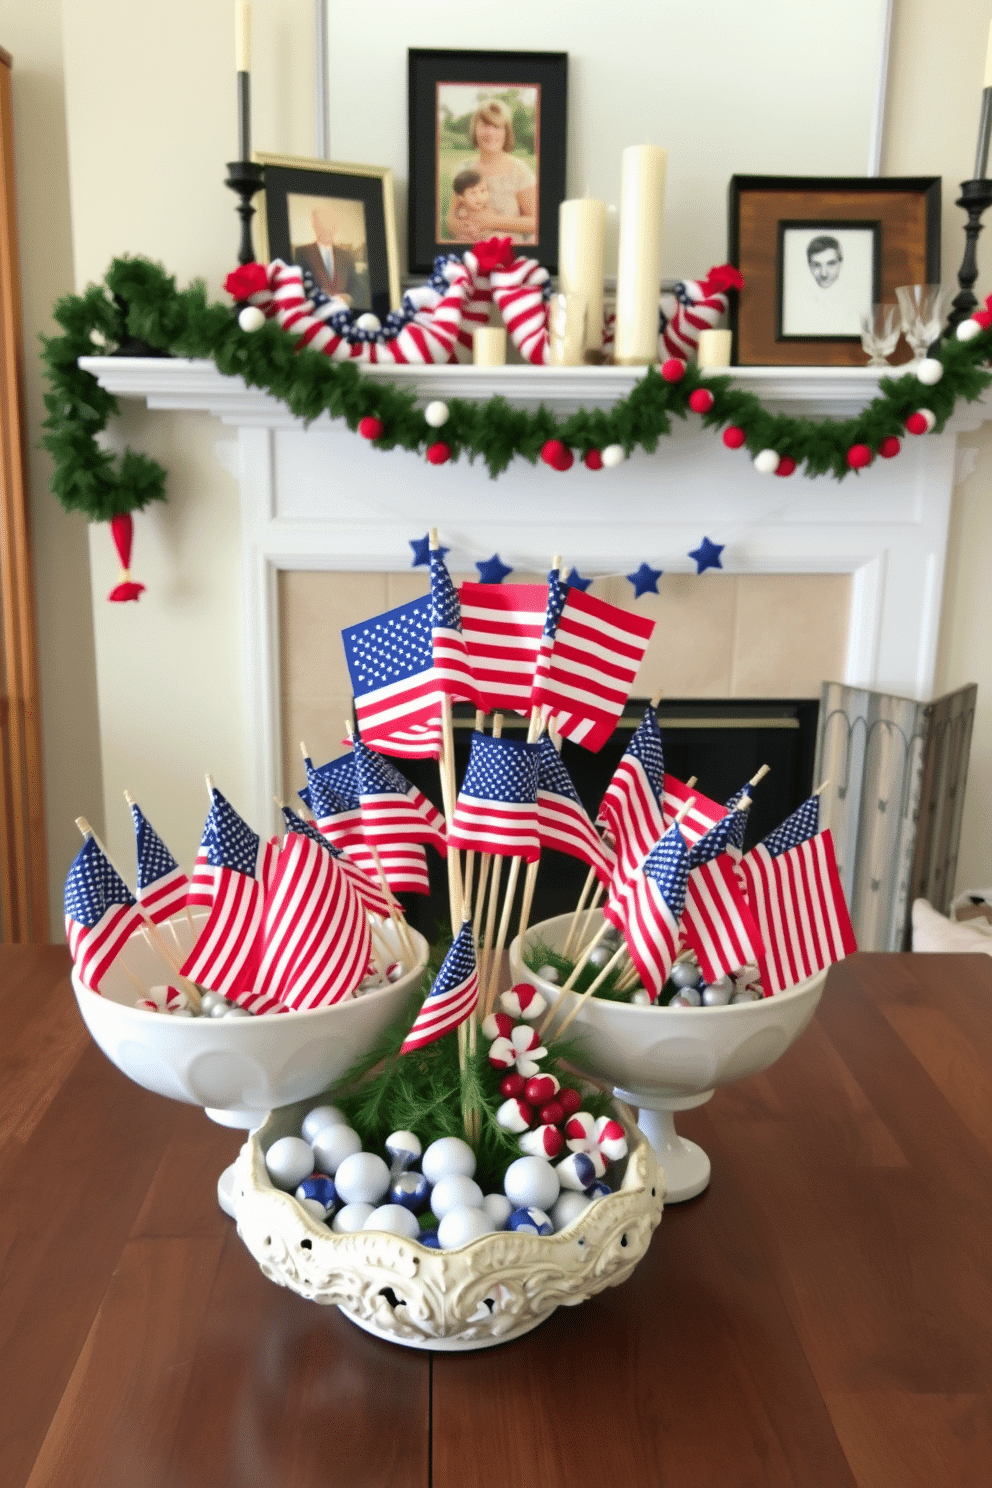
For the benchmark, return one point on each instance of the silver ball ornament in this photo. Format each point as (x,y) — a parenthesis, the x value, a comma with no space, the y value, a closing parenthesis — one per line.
(930,371)
(220,1009)
(251,318)
(746,994)
(208,1000)
(718,994)
(436,414)
(233,1012)
(684,974)
(600,956)
(640,998)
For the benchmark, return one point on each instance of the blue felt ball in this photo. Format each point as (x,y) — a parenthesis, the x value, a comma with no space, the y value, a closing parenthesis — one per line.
(531,1221)
(599,1189)
(320,1188)
(411,1190)
(429,1238)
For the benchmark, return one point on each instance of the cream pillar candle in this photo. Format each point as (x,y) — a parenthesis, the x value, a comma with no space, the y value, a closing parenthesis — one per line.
(581,253)
(489,346)
(714,349)
(642,209)
(242,35)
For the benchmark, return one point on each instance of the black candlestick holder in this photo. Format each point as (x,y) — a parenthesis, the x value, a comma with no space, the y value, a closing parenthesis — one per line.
(245,177)
(975,197)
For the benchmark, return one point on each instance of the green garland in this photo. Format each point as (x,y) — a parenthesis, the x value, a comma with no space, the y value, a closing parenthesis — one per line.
(139,299)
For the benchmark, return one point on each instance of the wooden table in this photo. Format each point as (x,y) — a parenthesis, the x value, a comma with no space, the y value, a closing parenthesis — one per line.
(821,1316)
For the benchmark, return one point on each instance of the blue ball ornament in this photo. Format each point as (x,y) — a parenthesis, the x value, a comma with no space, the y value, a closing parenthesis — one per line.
(411,1190)
(530,1221)
(320,1189)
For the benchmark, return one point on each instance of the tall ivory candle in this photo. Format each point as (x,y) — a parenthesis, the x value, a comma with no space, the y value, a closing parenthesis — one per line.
(242,35)
(642,208)
(581,250)
(489,346)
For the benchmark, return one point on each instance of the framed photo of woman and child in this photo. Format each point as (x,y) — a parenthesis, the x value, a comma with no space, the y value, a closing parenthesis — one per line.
(487,151)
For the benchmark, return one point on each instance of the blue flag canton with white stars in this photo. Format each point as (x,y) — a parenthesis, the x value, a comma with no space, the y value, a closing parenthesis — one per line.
(799,827)
(230,841)
(377,776)
(333,787)
(391,647)
(457,966)
(557,594)
(552,775)
(739,818)
(646,746)
(445,611)
(667,865)
(502,770)
(294,823)
(721,835)
(154,858)
(93,886)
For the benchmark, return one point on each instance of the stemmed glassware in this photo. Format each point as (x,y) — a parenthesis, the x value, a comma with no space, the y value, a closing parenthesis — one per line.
(880,328)
(924,308)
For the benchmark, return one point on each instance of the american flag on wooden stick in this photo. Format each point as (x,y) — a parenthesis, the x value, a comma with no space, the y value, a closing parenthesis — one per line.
(391,663)
(225,956)
(587,673)
(717,922)
(367,889)
(453,996)
(562,820)
(496,809)
(162,885)
(101,913)
(631,806)
(502,625)
(647,909)
(393,810)
(795,892)
(332,795)
(702,815)
(452,667)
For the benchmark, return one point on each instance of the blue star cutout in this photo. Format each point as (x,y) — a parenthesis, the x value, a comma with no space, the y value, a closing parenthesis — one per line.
(493,570)
(707,555)
(576,581)
(422,550)
(645,580)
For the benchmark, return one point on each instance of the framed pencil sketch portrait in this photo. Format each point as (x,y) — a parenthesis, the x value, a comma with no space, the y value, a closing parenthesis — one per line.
(817,253)
(338,223)
(487,151)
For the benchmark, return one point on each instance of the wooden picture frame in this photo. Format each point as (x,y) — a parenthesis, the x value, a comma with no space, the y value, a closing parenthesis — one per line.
(448,90)
(816,250)
(311,206)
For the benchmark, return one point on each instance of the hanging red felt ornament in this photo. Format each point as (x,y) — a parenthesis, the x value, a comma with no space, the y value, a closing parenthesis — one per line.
(593,459)
(122,531)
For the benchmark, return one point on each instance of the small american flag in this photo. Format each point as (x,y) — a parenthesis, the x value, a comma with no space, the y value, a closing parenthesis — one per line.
(225,956)
(101,913)
(647,909)
(452,668)
(631,806)
(594,656)
(502,625)
(795,892)
(316,940)
(702,815)
(391,661)
(393,810)
(332,795)
(162,885)
(203,885)
(557,592)
(717,922)
(367,889)
(452,997)
(562,820)
(496,809)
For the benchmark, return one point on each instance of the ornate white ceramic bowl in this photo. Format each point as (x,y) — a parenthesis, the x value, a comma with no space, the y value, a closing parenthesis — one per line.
(494,1289)
(237,1068)
(665,1059)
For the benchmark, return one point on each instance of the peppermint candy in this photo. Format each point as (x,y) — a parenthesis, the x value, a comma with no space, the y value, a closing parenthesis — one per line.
(583,1133)
(523,1001)
(523,1049)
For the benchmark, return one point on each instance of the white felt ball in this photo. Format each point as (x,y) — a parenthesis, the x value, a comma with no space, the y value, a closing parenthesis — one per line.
(404,1147)
(447,1155)
(499,1209)
(968,330)
(459,1226)
(930,371)
(640,998)
(766,461)
(332,1145)
(315,1121)
(251,318)
(314,1208)
(531,1180)
(289,1161)
(549,974)
(368,322)
(455,1191)
(613,455)
(362,1178)
(436,414)
(351,1218)
(395,1219)
(225,1191)
(568,1207)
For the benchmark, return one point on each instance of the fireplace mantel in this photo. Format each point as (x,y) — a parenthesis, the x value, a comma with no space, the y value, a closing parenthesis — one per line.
(318,497)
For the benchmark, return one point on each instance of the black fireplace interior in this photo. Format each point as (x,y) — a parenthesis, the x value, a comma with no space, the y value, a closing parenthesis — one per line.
(722,743)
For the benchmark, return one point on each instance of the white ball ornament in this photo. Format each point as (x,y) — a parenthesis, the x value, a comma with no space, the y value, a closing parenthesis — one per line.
(459,1226)
(351,1218)
(314,1208)
(289,1161)
(930,371)
(447,1155)
(568,1207)
(531,1181)
(225,1190)
(395,1220)
(368,322)
(499,1209)
(455,1191)
(640,998)
(968,330)
(766,461)
(436,414)
(613,455)
(362,1178)
(315,1121)
(251,318)
(332,1145)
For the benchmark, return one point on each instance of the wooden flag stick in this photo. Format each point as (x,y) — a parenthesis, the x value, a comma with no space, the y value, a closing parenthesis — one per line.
(576,972)
(395,911)
(586,891)
(614,961)
(533,731)
(759,776)
(594,905)
(821,788)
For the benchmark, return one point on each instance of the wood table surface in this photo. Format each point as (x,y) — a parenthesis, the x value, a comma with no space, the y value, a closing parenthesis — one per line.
(821,1316)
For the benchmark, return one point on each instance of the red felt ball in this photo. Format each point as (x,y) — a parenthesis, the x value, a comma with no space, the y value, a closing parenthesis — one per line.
(593,459)
(512,1085)
(553,452)
(540,1089)
(733,437)
(917,424)
(570,1100)
(370,428)
(785,466)
(439,453)
(889,447)
(984,318)
(566,461)
(858,456)
(552,1113)
(673,370)
(701,400)
(552,1141)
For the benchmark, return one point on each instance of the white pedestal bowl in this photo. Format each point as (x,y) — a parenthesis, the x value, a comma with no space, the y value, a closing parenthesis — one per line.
(238,1069)
(662,1060)
(492,1290)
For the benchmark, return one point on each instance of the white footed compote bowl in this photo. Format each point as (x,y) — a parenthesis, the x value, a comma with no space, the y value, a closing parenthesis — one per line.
(237,1068)
(489,1291)
(662,1060)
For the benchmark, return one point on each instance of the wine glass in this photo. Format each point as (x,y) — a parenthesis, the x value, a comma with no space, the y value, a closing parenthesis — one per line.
(880,328)
(923,308)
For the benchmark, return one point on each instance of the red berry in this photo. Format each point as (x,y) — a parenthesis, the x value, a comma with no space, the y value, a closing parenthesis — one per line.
(370,428)
(438,453)
(733,437)
(540,1089)
(593,459)
(552,1113)
(858,456)
(701,400)
(786,465)
(512,1085)
(570,1100)
(889,447)
(984,318)
(553,452)
(918,423)
(673,370)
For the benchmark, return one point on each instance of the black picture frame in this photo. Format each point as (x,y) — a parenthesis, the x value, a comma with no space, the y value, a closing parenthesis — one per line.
(377,281)
(432,155)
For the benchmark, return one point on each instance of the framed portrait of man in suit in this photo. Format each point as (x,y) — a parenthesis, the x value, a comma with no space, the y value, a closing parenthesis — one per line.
(337,222)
